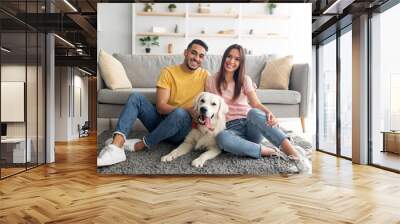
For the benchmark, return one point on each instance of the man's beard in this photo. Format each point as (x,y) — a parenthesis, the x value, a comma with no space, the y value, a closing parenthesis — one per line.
(189,67)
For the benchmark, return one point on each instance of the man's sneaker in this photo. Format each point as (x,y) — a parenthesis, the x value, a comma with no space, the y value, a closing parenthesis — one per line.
(129,144)
(109,155)
(108,141)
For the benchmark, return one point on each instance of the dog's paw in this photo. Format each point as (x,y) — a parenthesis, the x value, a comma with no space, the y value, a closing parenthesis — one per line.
(200,147)
(167,158)
(198,163)
(197,146)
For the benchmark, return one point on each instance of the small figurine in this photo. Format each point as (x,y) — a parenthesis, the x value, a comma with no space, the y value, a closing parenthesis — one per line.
(170,48)
(204,8)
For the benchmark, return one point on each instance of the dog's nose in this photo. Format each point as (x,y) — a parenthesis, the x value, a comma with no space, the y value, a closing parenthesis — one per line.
(203,110)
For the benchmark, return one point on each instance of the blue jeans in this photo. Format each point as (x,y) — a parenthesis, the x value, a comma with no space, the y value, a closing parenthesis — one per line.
(243,136)
(172,127)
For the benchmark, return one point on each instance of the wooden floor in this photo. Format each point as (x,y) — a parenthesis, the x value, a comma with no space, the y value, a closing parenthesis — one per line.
(70,191)
(10,171)
(387,159)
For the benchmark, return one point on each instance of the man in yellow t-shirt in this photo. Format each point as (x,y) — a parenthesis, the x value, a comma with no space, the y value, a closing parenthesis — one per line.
(171,118)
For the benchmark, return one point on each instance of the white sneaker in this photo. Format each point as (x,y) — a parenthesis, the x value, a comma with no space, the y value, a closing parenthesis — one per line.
(109,155)
(129,145)
(108,141)
(303,164)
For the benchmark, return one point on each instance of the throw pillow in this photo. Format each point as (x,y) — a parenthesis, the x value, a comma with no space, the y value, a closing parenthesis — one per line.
(112,72)
(276,74)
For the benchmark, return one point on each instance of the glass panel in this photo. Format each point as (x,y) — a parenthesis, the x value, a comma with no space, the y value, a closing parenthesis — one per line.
(346,94)
(13,85)
(23,88)
(386,89)
(41,98)
(31,97)
(327,97)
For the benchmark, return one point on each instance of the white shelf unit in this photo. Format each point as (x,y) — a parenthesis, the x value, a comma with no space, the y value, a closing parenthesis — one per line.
(172,14)
(264,36)
(214,15)
(161,34)
(266,17)
(238,17)
(216,35)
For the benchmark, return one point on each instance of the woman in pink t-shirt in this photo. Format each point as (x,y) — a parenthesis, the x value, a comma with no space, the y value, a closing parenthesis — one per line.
(248,120)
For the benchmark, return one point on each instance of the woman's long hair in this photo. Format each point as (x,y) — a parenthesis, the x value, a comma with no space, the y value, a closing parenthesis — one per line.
(238,75)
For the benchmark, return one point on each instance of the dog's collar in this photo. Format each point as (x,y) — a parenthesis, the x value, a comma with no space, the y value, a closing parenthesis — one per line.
(196,126)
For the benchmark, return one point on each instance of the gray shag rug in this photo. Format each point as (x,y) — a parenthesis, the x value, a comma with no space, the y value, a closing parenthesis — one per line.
(149,161)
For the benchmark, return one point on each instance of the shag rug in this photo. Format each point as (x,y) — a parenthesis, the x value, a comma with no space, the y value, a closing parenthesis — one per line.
(149,161)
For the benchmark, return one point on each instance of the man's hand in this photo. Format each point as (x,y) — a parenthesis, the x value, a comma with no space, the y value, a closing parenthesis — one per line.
(192,112)
(162,101)
(271,120)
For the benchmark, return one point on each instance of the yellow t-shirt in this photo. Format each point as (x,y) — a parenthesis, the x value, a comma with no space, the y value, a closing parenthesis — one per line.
(184,86)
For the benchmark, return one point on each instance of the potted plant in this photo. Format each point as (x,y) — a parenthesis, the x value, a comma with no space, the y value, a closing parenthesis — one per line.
(149,41)
(172,7)
(271,7)
(148,7)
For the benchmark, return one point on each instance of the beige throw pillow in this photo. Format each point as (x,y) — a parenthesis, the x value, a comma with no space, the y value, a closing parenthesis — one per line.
(276,74)
(112,72)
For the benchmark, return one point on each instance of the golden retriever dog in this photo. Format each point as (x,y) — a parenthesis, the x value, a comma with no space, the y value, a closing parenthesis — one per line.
(211,109)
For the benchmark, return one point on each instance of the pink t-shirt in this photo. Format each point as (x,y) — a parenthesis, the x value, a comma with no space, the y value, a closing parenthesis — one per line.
(239,107)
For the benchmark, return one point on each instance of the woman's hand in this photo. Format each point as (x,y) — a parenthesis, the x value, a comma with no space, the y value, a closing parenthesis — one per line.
(271,120)
(255,103)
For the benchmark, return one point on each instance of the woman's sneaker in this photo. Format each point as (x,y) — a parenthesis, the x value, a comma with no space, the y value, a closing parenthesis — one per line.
(303,164)
(109,155)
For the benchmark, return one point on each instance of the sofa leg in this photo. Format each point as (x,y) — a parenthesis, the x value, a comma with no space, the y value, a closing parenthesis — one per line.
(303,125)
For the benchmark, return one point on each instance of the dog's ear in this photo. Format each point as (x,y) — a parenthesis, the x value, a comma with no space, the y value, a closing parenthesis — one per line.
(196,101)
(223,107)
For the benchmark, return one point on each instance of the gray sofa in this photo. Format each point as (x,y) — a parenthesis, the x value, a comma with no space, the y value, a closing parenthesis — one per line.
(143,71)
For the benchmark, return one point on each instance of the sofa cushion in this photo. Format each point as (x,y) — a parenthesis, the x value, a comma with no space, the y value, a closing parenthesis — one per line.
(120,96)
(278,96)
(254,66)
(144,70)
(212,63)
(276,74)
(112,72)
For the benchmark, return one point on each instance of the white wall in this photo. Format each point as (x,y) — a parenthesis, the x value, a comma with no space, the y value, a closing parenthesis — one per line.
(118,38)
(61,103)
(68,83)
(114,27)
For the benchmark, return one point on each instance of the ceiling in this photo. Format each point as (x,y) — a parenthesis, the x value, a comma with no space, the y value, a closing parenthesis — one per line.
(76,22)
